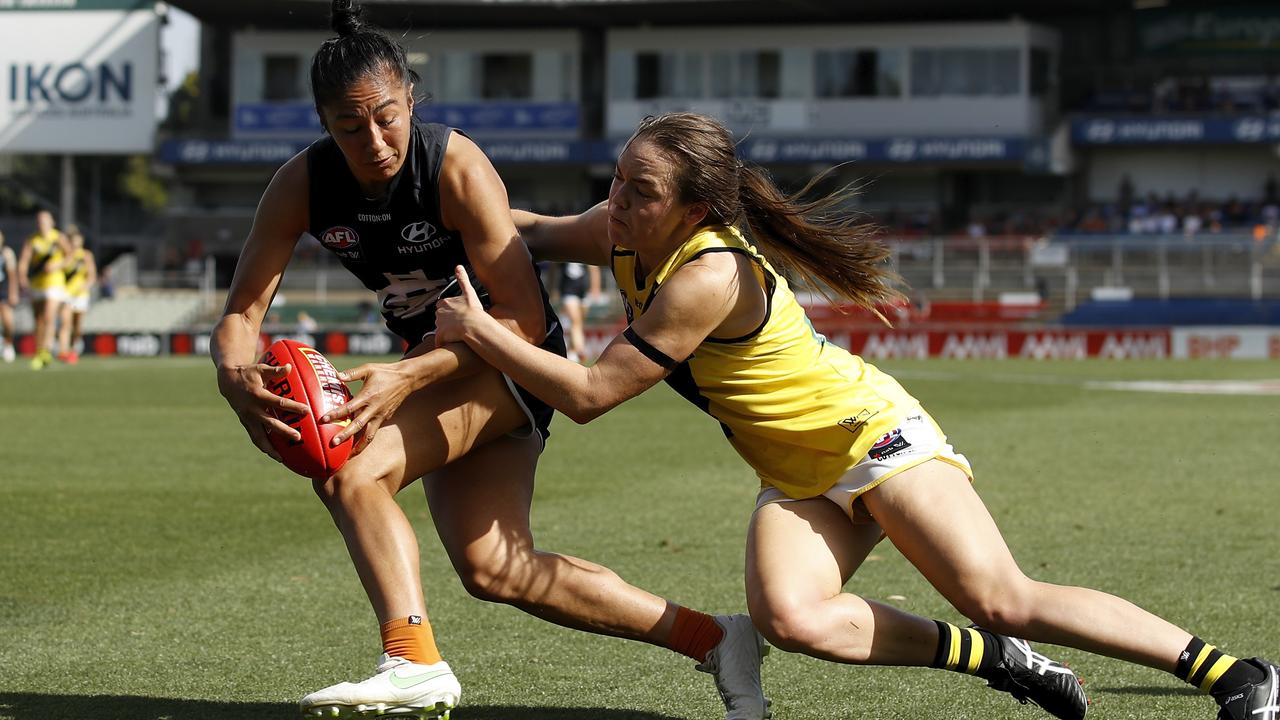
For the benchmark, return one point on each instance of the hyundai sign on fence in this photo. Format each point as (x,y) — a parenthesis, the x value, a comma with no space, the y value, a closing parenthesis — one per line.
(77,76)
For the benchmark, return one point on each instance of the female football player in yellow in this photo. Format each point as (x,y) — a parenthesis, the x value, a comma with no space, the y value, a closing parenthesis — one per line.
(845,455)
(81,272)
(400,203)
(40,272)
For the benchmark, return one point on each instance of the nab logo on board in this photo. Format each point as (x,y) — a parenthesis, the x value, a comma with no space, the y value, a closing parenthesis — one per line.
(339,238)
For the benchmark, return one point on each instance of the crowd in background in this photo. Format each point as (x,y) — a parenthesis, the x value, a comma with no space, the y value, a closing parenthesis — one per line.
(1188,216)
(1191,94)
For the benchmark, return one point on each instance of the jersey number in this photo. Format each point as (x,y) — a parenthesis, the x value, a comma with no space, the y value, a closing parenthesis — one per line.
(409,294)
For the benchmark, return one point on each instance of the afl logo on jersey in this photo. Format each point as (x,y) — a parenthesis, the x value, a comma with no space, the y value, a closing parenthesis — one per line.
(418,232)
(339,238)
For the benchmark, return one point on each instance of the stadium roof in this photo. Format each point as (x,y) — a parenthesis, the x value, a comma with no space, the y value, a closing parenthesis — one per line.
(532,13)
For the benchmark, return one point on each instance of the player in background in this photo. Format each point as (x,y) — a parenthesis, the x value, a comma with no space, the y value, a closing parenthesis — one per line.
(578,283)
(845,454)
(40,272)
(401,204)
(81,273)
(8,300)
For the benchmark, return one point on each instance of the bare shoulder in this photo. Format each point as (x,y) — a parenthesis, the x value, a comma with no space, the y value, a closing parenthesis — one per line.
(464,161)
(709,280)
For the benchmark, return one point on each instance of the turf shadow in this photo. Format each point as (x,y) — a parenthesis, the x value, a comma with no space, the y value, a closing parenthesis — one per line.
(32,706)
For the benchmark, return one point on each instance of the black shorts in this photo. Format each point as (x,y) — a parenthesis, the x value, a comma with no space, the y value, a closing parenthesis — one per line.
(540,413)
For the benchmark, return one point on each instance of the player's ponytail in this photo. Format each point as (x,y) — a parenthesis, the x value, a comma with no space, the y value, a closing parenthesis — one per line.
(358,51)
(818,241)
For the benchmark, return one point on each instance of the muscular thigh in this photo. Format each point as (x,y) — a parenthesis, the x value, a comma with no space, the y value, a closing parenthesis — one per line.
(932,515)
(480,502)
(437,425)
(803,551)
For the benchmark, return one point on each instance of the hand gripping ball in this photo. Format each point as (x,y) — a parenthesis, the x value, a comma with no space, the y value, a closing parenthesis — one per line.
(312,381)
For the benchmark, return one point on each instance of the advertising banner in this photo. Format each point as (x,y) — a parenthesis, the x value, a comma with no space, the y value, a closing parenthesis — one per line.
(76,80)
(1226,28)
(1120,130)
(1243,343)
(276,119)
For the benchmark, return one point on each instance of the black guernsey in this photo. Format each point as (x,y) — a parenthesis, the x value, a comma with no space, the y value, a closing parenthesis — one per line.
(397,244)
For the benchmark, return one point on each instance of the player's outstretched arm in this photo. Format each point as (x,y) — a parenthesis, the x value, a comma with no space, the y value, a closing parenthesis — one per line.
(695,300)
(280,220)
(580,238)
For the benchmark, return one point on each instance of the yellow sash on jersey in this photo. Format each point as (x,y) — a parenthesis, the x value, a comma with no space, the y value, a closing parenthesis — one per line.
(76,272)
(798,409)
(46,259)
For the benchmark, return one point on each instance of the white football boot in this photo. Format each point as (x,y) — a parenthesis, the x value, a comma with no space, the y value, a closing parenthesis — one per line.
(7,352)
(735,664)
(399,689)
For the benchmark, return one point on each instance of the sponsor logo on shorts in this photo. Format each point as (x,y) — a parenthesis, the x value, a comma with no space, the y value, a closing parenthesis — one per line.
(854,424)
(889,444)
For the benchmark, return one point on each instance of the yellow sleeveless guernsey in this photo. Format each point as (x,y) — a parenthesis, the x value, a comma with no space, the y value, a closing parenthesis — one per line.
(798,409)
(76,271)
(46,252)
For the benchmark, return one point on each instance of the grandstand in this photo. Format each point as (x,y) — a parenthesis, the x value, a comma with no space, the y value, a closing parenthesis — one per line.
(1045,164)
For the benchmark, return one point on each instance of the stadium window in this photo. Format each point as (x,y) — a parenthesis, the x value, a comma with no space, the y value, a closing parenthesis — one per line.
(858,73)
(280,78)
(1005,71)
(506,76)
(966,72)
(1041,72)
(768,66)
(668,75)
(721,67)
(752,74)
(648,75)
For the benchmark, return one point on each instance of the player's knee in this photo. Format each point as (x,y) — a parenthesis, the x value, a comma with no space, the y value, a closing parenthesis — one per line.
(497,576)
(344,487)
(1004,607)
(490,583)
(788,626)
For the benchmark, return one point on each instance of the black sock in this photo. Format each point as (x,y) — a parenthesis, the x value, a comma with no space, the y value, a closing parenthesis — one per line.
(1209,669)
(967,650)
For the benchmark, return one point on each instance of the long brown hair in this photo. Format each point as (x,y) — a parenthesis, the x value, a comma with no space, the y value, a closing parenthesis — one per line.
(826,246)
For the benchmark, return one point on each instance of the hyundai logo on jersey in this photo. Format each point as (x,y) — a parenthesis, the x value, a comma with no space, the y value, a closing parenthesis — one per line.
(420,231)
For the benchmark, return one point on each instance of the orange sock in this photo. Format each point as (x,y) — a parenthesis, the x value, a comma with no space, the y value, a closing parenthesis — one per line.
(410,638)
(693,634)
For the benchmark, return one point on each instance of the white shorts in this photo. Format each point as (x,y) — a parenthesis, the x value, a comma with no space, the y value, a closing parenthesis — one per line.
(56,294)
(78,303)
(916,440)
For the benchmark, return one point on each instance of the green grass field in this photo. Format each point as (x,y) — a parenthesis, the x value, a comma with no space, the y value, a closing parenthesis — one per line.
(154,565)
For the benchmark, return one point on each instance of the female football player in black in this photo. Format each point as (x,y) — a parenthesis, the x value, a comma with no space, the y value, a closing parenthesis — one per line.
(401,204)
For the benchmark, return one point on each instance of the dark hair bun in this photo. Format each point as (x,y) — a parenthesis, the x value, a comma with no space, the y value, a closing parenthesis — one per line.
(346,17)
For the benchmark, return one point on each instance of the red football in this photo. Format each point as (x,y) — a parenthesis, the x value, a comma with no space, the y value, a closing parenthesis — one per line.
(312,381)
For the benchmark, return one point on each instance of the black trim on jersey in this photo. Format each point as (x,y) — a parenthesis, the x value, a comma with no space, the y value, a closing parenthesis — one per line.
(768,310)
(665,361)
(681,380)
